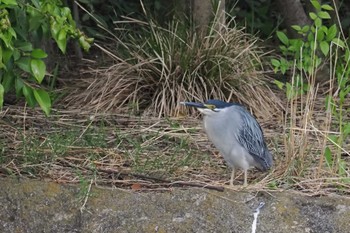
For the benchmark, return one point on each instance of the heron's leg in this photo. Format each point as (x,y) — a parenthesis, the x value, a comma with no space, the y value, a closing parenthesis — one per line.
(232,176)
(245,178)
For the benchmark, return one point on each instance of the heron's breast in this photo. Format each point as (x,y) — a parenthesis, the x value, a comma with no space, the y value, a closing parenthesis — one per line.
(222,137)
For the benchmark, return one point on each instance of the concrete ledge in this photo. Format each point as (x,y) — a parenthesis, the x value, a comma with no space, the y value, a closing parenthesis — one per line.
(38,206)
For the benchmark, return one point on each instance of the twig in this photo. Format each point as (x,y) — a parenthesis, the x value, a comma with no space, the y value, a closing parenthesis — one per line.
(168,183)
(184,183)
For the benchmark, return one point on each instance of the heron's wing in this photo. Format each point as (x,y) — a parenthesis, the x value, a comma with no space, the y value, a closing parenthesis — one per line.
(252,139)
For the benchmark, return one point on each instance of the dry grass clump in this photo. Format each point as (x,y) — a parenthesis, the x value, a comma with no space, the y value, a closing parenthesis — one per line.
(157,67)
(106,90)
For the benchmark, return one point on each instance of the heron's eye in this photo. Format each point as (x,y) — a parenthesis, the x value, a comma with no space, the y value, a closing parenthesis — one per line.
(211,106)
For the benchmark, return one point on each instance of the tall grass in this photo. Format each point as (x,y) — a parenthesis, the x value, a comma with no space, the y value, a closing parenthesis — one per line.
(316,127)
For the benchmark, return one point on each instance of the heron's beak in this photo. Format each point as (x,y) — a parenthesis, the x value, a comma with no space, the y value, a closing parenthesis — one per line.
(194,104)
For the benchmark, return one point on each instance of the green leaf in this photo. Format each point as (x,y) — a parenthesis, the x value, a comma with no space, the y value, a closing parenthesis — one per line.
(328,157)
(320,35)
(85,43)
(62,40)
(36,3)
(7,54)
(28,93)
(284,65)
(62,35)
(2,91)
(38,53)
(316,4)
(332,32)
(44,100)
(10,2)
(338,42)
(310,37)
(272,185)
(323,15)
(39,69)
(279,84)
(7,39)
(327,7)
(313,16)
(313,46)
(24,64)
(324,29)
(35,21)
(318,61)
(19,86)
(305,29)
(16,54)
(296,28)
(275,62)
(8,81)
(62,45)
(24,46)
(318,22)
(347,55)
(12,32)
(283,38)
(324,47)
(55,29)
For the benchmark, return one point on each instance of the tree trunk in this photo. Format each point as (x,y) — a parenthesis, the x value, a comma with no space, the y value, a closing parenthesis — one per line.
(294,14)
(204,11)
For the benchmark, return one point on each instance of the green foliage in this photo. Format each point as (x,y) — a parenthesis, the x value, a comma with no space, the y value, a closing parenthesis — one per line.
(23,25)
(318,45)
(309,51)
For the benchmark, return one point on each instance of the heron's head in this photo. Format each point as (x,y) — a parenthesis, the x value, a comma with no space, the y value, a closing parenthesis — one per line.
(210,107)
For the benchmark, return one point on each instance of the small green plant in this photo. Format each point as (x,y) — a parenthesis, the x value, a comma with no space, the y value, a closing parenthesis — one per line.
(309,51)
(24,26)
(319,46)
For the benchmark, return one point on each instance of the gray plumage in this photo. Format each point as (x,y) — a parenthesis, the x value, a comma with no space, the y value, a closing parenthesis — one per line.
(236,134)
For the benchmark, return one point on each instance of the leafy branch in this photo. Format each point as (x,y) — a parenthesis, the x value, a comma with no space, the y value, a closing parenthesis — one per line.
(22,66)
